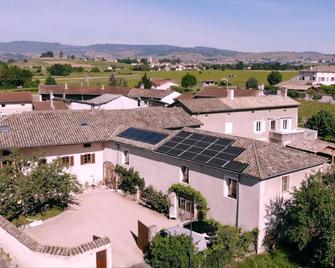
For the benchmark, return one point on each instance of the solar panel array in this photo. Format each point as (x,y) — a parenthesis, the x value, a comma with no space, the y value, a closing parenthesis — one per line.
(205,149)
(142,135)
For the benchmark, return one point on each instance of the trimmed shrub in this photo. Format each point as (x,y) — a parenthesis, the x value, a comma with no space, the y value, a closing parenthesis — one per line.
(156,200)
(130,180)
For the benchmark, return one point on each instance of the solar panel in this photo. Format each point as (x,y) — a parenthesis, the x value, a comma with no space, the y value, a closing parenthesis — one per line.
(205,149)
(142,135)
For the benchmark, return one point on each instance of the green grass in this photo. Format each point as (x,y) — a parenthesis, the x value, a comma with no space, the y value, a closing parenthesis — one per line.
(53,212)
(275,260)
(309,108)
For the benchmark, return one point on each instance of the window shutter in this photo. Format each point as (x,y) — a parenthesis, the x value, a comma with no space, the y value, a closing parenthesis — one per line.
(93,158)
(71,160)
(82,159)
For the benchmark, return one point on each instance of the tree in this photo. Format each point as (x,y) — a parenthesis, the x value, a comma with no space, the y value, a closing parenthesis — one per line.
(251,83)
(323,122)
(13,76)
(304,225)
(188,81)
(29,185)
(60,69)
(274,78)
(48,54)
(72,57)
(239,65)
(50,80)
(145,82)
(117,82)
(95,70)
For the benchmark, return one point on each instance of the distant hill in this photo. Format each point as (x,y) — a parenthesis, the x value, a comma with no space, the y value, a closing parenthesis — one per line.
(19,49)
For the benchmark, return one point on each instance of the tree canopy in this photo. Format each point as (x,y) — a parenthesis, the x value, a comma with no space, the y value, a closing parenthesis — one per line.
(117,82)
(48,54)
(145,82)
(304,225)
(50,80)
(251,83)
(60,69)
(188,81)
(274,78)
(323,122)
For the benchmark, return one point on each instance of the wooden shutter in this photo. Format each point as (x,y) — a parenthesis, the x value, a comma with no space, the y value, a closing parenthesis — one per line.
(93,158)
(82,159)
(71,160)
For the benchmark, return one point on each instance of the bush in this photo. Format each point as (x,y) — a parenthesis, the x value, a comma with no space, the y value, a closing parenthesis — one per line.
(216,256)
(295,94)
(170,251)
(323,122)
(130,180)
(50,80)
(156,200)
(251,83)
(189,192)
(95,70)
(274,78)
(60,69)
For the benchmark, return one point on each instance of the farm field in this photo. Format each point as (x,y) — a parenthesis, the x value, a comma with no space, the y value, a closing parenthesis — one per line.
(308,108)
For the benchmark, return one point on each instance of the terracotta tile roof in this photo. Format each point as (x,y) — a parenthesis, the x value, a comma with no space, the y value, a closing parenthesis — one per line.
(220,92)
(264,159)
(148,93)
(320,68)
(33,245)
(46,105)
(213,105)
(159,82)
(60,89)
(313,146)
(51,128)
(15,97)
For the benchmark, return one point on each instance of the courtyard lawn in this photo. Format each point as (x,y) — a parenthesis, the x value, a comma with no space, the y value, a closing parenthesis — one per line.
(309,108)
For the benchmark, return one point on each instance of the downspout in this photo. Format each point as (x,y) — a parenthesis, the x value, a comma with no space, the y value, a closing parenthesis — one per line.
(237,201)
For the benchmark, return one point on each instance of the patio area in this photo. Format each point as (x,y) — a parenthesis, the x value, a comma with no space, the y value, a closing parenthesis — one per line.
(101,213)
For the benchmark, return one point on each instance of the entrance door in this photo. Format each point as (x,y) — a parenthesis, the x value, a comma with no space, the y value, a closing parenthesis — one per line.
(109,175)
(185,209)
(101,256)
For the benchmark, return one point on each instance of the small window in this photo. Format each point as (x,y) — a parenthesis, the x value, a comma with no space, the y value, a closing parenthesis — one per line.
(87,145)
(67,160)
(87,159)
(3,105)
(126,157)
(185,171)
(273,124)
(285,184)
(232,187)
(258,126)
(285,124)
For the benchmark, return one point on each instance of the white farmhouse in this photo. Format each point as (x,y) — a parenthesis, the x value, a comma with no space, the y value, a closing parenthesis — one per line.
(318,75)
(163,84)
(15,102)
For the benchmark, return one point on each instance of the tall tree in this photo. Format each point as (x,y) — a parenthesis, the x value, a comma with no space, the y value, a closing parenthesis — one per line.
(145,82)
(188,81)
(239,65)
(274,78)
(323,122)
(50,80)
(117,82)
(251,83)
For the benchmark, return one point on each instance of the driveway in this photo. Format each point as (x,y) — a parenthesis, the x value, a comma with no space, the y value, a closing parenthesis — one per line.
(101,213)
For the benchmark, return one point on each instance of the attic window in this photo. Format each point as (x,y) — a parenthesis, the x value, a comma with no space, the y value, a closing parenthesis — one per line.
(4,129)
(83,122)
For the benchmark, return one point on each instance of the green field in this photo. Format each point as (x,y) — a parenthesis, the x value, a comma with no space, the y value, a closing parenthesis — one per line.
(308,108)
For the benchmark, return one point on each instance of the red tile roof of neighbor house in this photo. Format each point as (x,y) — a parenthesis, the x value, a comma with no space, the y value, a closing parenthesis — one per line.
(221,92)
(16,97)
(320,68)
(159,82)
(149,93)
(46,105)
(62,89)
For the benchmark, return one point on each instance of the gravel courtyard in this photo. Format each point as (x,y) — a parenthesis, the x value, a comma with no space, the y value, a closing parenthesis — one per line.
(101,213)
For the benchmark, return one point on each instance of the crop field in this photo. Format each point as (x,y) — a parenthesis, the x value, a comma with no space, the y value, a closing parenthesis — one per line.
(308,108)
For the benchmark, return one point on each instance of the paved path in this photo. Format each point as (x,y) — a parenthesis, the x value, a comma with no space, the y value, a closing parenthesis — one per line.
(102,213)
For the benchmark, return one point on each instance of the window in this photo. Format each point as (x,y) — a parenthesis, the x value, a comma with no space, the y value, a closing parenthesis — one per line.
(285,124)
(273,124)
(126,157)
(6,152)
(185,171)
(228,129)
(67,160)
(303,78)
(285,183)
(138,103)
(87,159)
(232,188)
(87,145)
(322,79)
(259,126)
(3,105)
(333,79)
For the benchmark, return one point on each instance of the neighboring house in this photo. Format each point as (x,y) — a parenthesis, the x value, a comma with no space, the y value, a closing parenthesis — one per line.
(15,102)
(207,83)
(48,92)
(222,92)
(318,75)
(237,176)
(104,102)
(267,118)
(152,97)
(163,84)
(296,84)
(50,105)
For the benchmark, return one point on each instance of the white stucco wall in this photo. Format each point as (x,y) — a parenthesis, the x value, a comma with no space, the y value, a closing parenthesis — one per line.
(15,108)
(243,123)
(169,99)
(26,258)
(116,104)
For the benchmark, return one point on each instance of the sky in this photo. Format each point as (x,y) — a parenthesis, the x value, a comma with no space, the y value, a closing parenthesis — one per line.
(243,25)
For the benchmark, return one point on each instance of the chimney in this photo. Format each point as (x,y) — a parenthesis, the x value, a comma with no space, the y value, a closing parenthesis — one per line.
(102,87)
(65,86)
(311,68)
(142,86)
(231,94)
